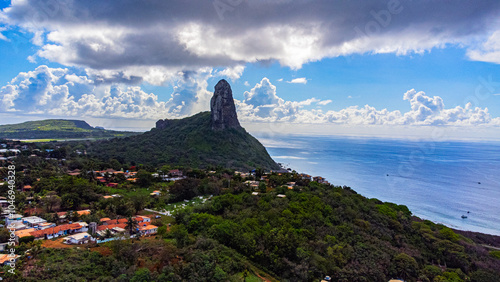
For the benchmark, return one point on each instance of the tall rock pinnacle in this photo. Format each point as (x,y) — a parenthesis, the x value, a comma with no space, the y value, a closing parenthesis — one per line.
(222,107)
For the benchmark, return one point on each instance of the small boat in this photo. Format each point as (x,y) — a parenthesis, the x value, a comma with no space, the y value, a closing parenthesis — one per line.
(464,216)
(479,183)
(468,211)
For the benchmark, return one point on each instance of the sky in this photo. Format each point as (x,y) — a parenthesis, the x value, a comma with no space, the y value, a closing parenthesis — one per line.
(391,67)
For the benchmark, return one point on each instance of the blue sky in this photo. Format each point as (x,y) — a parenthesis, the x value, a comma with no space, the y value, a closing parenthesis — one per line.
(354,64)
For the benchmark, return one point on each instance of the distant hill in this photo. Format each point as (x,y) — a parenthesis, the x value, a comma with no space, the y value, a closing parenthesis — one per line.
(207,138)
(56,129)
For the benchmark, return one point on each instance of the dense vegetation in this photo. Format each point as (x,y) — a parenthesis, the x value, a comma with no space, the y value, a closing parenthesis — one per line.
(57,128)
(316,230)
(140,261)
(188,142)
(322,230)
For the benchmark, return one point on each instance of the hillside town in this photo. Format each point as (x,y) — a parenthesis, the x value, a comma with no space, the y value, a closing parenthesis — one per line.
(47,196)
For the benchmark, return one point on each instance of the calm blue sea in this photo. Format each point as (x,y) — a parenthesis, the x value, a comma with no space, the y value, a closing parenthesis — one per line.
(439,181)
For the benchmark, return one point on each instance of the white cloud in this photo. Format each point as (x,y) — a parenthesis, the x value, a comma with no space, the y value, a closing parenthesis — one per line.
(144,40)
(61,92)
(280,79)
(488,51)
(246,83)
(233,72)
(299,80)
(2,37)
(262,104)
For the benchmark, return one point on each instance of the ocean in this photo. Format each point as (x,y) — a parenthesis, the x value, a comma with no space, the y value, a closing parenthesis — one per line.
(438,181)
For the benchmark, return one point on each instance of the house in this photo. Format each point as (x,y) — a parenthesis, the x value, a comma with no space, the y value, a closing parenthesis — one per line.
(23,233)
(144,218)
(33,221)
(27,188)
(175,173)
(148,230)
(104,219)
(84,226)
(83,212)
(281,196)
(255,193)
(57,231)
(110,227)
(8,258)
(62,216)
(107,197)
(155,193)
(78,238)
(112,184)
(253,184)
(319,179)
(13,218)
(118,230)
(46,225)
(305,176)
(16,225)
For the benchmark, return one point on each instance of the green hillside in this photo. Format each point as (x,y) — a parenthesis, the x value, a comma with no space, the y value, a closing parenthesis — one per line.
(56,128)
(188,142)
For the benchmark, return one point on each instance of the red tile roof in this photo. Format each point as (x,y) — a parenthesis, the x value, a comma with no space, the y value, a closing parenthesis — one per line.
(111,226)
(56,229)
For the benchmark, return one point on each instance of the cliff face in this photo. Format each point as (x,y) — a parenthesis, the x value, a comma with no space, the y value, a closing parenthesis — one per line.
(222,107)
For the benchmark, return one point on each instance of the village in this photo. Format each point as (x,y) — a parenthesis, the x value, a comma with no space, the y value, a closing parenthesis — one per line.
(45,219)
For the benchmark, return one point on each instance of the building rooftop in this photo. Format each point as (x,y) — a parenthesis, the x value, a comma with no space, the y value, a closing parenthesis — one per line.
(24,232)
(78,236)
(34,220)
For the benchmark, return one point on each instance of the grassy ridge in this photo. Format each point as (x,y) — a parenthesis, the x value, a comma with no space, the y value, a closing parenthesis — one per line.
(56,128)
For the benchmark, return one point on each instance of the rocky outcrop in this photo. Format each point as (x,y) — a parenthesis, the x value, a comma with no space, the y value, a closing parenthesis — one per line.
(162,123)
(222,107)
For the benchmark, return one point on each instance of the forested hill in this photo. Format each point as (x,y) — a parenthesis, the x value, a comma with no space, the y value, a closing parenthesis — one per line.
(189,142)
(319,230)
(55,129)
(213,138)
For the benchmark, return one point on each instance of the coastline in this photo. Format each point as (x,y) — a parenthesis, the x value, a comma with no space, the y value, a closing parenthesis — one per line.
(449,179)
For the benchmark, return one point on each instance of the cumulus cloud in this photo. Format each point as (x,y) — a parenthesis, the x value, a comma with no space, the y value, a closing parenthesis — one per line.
(61,92)
(262,104)
(69,92)
(299,80)
(172,36)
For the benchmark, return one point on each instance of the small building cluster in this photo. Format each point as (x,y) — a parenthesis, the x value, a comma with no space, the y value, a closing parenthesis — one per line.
(77,232)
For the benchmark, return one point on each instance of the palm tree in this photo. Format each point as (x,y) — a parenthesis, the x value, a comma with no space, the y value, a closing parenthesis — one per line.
(108,234)
(131,226)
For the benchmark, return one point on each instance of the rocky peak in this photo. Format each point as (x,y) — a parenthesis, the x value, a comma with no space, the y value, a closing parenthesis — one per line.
(222,107)
(163,123)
